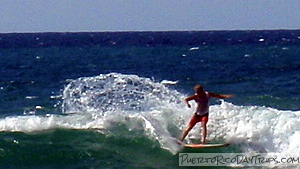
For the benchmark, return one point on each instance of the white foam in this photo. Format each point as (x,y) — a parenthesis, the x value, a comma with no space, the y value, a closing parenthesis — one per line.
(256,129)
(194,48)
(169,82)
(162,115)
(26,123)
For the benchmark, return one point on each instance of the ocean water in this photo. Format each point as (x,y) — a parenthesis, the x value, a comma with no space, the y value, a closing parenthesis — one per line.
(115,99)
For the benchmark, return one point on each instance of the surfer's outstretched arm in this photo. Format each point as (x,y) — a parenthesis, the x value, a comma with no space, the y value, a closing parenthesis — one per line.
(220,96)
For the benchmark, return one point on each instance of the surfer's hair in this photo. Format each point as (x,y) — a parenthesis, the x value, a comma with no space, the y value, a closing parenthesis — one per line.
(198,87)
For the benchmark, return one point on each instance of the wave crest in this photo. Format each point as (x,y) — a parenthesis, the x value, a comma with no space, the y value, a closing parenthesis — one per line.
(106,102)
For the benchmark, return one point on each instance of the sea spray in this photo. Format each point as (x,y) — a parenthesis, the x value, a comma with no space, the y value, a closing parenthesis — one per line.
(161,116)
(115,97)
(109,92)
(254,128)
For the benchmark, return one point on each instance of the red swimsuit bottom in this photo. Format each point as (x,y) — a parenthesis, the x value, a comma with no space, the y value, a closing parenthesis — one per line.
(196,118)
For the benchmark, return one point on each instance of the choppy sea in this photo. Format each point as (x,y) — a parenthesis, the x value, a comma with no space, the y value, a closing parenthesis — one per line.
(115,99)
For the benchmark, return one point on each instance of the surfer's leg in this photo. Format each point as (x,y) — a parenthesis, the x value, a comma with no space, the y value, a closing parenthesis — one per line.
(204,132)
(192,123)
(186,132)
(204,120)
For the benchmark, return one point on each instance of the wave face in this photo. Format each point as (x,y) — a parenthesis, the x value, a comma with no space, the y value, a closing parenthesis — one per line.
(114,103)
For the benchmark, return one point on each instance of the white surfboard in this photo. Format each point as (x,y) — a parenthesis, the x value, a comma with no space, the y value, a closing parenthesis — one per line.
(205,145)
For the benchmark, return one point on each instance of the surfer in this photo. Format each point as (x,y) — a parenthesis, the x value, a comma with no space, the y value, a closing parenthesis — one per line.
(201,115)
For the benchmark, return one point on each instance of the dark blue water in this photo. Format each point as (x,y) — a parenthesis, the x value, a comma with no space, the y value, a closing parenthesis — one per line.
(43,119)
